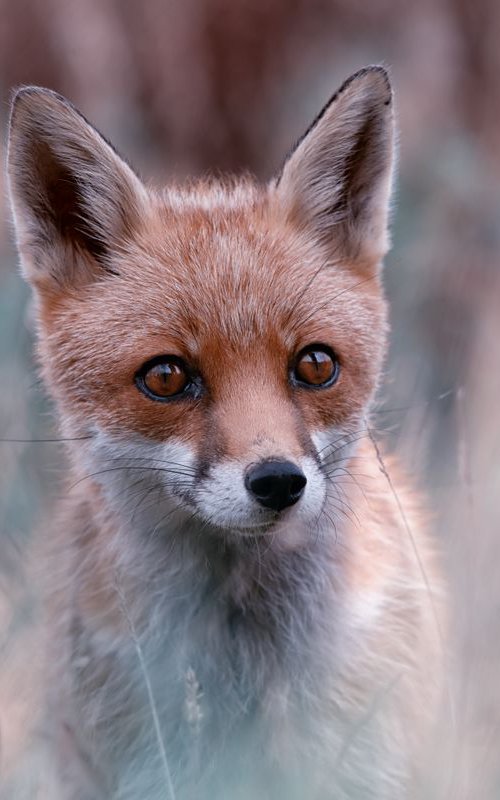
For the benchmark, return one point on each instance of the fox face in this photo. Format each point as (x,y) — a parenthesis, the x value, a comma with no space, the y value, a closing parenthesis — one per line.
(214,348)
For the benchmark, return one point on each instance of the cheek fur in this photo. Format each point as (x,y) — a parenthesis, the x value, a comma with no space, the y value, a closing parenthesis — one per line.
(222,499)
(336,444)
(135,469)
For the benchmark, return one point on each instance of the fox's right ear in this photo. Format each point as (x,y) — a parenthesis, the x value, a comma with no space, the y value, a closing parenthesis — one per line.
(74,200)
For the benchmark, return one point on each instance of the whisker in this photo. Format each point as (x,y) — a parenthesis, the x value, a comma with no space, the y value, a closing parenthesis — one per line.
(149,459)
(308,285)
(413,406)
(126,468)
(333,504)
(343,440)
(46,441)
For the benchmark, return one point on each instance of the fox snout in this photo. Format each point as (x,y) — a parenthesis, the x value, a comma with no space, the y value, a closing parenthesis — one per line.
(275,484)
(247,495)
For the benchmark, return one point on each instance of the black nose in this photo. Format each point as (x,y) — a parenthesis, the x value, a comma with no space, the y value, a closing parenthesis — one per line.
(275,484)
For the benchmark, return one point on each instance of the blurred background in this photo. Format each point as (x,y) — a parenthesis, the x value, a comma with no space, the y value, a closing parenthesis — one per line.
(185,87)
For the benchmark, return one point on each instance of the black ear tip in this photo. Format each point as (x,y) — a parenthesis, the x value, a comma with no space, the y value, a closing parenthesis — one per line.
(375,78)
(20,95)
(23,93)
(31,98)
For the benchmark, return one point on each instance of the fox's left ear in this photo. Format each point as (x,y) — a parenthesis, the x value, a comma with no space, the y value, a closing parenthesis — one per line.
(337,182)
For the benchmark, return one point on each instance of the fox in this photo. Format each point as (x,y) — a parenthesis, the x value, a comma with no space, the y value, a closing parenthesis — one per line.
(239,585)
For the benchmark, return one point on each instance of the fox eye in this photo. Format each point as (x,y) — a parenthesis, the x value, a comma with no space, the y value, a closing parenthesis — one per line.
(316,366)
(163,377)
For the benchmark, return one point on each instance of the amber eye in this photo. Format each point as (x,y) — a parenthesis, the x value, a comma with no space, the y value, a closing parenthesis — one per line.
(316,366)
(162,378)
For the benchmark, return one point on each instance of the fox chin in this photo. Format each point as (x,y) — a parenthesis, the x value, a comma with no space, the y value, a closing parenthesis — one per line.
(235,605)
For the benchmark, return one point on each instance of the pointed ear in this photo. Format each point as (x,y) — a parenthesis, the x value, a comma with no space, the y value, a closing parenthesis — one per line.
(337,181)
(74,199)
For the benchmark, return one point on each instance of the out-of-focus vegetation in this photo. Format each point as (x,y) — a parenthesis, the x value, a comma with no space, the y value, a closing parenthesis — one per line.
(189,86)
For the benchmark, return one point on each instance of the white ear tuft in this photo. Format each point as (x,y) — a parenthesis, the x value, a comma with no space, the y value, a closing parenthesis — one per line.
(337,181)
(73,198)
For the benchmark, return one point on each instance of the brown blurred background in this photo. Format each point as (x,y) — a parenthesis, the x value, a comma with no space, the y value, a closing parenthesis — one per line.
(189,86)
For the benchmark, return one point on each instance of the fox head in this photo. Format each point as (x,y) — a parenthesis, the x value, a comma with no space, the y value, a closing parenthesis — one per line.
(219,343)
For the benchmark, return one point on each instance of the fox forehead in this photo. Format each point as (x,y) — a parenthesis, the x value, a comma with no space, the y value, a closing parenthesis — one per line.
(223,270)
(214,270)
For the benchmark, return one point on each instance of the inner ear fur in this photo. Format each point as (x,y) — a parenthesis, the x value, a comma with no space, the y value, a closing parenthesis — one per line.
(337,181)
(74,199)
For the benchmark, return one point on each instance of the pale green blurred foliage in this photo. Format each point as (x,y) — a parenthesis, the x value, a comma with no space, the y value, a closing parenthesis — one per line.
(184,87)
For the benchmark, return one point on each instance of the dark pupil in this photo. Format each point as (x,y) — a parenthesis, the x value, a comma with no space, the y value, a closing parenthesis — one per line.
(166,371)
(318,360)
(315,367)
(166,378)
